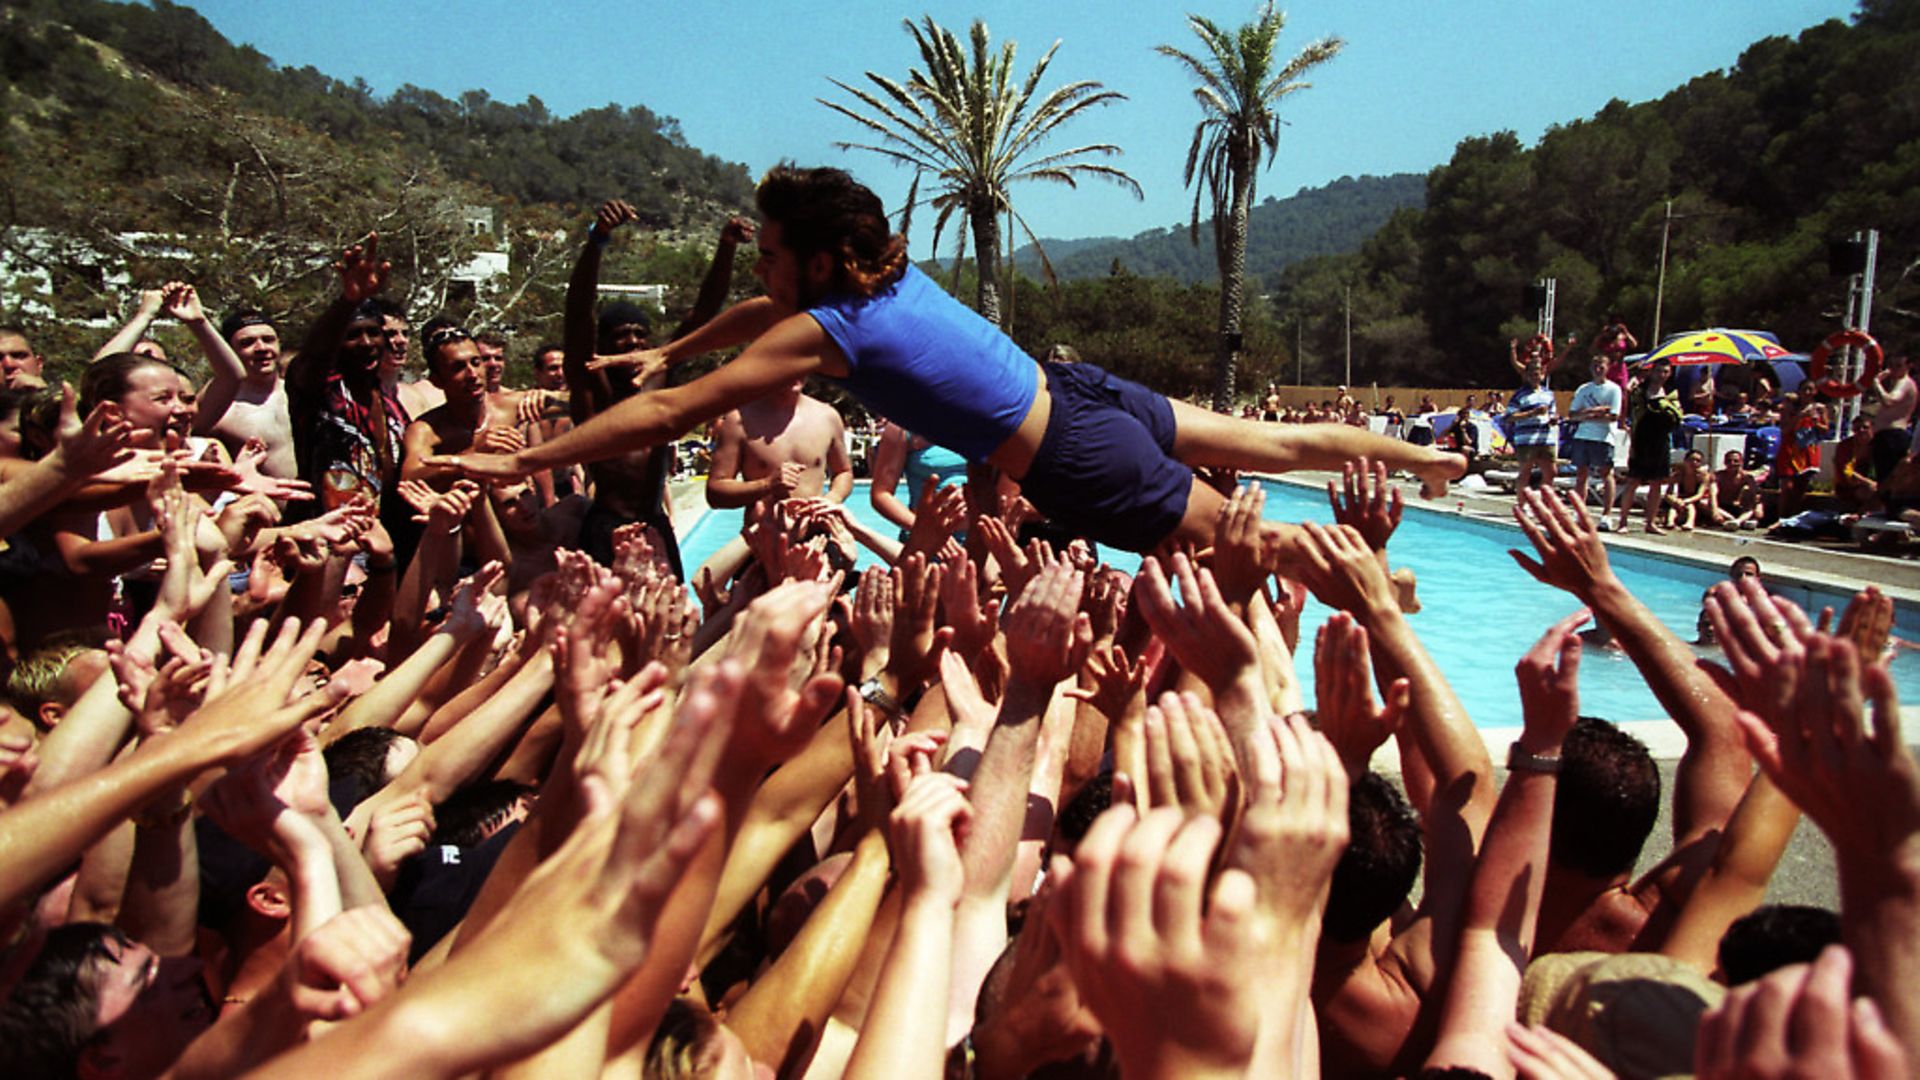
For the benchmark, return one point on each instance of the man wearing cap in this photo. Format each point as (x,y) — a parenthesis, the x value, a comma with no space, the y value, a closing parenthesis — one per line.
(259,408)
(628,487)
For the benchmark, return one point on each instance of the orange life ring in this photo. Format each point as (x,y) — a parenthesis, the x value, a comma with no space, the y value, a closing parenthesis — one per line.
(1817,367)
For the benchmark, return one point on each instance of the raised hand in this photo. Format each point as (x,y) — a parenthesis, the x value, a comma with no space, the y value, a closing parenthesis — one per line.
(1571,556)
(939,513)
(916,644)
(181,302)
(1119,682)
(738,230)
(974,624)
(241,520)
(254,482)
(258,698)
(871,621)
(500,440)
(1294,827)
(273,802)
(93,447)
(351,962)
(1549,677)
(611,215)
(604,761)
(773,641)
(925,834)
(1370,506)
(1340,570)
(1015,568)
(396,832)
(362,273)
(1165,962)
(447,511)
(1237,545)
(532,406)
(1764,641)
(1047,634)
(1343,687)
(1189,757)
(1860,785)
(1868,623)
(1200,631)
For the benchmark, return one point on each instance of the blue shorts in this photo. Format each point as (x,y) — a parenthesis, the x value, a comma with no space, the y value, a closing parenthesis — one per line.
(1105,468)
(1591,454)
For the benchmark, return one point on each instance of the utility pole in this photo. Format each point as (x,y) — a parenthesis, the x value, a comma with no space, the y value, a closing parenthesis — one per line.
(1660,290)
(1299,357)
(1349,335)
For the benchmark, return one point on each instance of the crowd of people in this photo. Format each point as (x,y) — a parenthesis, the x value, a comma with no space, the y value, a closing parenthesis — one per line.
(1875,474)
(367,727)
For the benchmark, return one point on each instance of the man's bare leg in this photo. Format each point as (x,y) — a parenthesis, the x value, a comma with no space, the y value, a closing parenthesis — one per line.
(1208,438)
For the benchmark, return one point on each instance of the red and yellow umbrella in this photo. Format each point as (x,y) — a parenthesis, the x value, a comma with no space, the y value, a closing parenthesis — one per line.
(1718,346)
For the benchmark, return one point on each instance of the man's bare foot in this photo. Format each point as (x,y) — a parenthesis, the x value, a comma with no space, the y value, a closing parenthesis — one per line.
(1655,529)
(1435,477)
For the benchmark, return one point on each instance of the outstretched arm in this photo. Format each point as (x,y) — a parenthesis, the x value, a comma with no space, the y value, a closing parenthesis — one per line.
(1503,902)
(713,287)
(792,350)
(184,304)
(125,338)
(1712,775)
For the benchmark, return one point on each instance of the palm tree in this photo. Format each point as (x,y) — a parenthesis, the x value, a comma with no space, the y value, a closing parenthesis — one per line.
(1239,92)
(969,125)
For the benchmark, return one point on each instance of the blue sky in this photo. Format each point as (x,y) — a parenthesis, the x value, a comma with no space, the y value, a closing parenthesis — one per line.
(741,77)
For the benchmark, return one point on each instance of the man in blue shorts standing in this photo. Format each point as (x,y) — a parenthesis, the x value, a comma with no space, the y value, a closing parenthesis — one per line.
(1595,405)
(1102,456)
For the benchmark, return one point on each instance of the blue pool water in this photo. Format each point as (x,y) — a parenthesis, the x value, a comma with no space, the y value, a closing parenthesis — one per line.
(1480,611)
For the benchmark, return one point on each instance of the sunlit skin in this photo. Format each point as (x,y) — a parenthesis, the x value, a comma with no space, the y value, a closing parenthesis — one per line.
(363,347)
(156,402)
(550,370)
(259,349)
(18,360)
(393,334)
(149,1008)
(493,361)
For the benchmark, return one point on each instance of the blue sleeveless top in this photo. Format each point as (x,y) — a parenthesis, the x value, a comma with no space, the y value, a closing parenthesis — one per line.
(927,362)
(935,460)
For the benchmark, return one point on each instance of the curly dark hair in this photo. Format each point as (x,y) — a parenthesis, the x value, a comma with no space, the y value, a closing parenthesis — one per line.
(826,210)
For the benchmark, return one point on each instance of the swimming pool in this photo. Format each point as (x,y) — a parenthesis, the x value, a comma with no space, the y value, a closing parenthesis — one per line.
(1480,611)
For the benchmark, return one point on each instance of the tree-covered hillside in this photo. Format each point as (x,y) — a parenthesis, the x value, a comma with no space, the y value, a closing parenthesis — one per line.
(1328,220)
(140,145)
(1803,141)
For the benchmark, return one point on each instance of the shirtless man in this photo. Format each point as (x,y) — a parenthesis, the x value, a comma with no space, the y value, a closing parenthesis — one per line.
(629,485)
(1891,422)
(503,405)
(455,366)
(782,446)
(419,396)
(259,408)
(20,365)
(1736,495)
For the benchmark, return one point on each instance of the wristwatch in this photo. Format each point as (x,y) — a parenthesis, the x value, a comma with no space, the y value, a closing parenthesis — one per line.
(1519,759)
(876,695)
